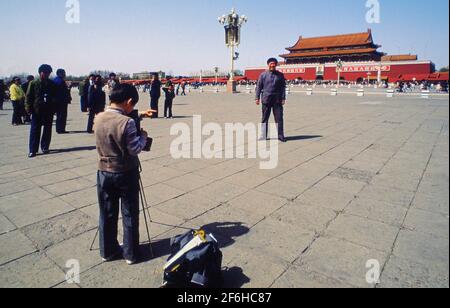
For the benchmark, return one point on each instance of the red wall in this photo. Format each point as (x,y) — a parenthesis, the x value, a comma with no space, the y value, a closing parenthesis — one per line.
(331,74)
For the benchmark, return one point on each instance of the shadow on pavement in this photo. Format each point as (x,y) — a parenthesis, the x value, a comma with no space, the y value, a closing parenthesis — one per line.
(77,149)
(297,138)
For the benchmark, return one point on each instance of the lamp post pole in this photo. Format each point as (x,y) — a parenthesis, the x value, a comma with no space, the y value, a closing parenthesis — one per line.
(232,24)
(216,71)
(339,66)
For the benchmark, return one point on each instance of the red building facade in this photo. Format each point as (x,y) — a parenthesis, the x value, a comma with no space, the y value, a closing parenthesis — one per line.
(313,59)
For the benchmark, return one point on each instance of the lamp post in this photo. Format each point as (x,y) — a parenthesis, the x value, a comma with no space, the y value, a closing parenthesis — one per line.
(216,73)
(368,77)
(232,24)
(339,66)
(380,68)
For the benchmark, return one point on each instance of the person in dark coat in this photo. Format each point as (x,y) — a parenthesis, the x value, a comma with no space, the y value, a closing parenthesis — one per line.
(155,95)
(2,93)
(271,90)
(41,104)
(96,102)
(170,96)
(83,92)
(25,85)
(63,99)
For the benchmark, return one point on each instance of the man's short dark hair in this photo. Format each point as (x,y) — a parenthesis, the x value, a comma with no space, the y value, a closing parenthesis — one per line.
(124,92)
(272,60)
(112,75)
(45,68)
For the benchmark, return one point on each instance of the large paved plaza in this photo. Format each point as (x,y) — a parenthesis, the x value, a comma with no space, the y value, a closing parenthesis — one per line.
(361,178)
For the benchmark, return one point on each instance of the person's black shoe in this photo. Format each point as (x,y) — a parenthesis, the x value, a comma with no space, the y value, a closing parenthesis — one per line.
(32,155)
(284,140)
(46,152)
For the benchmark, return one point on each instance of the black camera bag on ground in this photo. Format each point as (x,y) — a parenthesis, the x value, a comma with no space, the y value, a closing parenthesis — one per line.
(197,267)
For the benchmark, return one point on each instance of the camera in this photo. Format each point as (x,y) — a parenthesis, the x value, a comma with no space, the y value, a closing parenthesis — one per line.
(137,119)
(148,145)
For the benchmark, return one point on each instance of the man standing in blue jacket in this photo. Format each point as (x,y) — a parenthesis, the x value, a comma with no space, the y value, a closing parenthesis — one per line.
(271,90)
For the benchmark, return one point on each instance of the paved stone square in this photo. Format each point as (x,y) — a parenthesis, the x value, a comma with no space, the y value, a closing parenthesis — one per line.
(361,178)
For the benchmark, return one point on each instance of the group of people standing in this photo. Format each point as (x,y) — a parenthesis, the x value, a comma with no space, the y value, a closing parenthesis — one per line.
(17,93)
(155,95)
(36,102)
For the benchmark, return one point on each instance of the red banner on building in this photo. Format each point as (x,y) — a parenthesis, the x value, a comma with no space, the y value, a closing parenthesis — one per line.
(299,70)
(366,68)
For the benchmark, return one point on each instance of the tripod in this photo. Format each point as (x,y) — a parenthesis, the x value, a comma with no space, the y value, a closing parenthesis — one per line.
(145,210)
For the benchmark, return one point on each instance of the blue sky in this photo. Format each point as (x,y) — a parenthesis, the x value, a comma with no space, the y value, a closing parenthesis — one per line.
(181,36)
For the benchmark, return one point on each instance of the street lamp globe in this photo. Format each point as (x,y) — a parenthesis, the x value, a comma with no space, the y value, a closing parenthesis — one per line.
(232,24)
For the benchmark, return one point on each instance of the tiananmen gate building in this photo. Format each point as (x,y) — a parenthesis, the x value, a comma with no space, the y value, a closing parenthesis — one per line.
(316,58)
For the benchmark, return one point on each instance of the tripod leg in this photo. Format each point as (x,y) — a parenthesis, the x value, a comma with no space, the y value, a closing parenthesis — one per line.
(144,198)
(95,238)
(146,222)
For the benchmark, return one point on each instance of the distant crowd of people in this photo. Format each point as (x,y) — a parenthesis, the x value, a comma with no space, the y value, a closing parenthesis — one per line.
(409,87)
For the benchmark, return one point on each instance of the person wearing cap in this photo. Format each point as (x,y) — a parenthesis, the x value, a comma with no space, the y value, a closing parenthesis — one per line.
(63,99)
(17,99)
(41,104)
(271,91)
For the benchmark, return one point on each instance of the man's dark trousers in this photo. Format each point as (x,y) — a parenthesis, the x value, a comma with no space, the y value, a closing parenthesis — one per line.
(154,105)
(113,188)
(278,112)
(37,122)
(168,108)
(61,118)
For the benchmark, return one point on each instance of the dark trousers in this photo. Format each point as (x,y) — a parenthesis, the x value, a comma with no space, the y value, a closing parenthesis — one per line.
(154,104)
(278,113)
(17,113)
(37,122)
(114,188)
(92,114)
(83,103)
(61,118)
(1,103)
(168,108)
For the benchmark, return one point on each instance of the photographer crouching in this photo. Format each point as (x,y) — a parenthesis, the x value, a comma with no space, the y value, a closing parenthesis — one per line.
(119,142)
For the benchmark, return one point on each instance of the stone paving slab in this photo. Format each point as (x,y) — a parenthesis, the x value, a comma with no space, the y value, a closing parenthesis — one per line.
(360,179)
(33,271)
(19,245)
